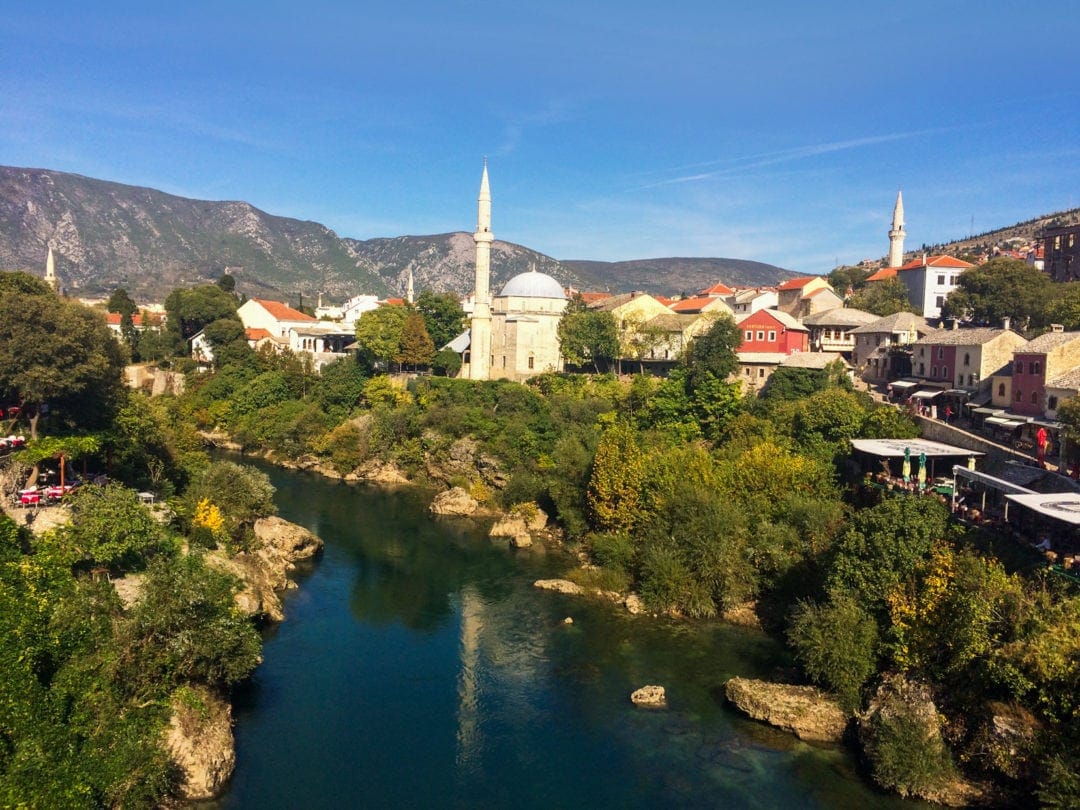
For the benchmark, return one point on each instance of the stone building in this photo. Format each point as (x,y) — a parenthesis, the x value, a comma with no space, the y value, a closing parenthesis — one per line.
(1061,253)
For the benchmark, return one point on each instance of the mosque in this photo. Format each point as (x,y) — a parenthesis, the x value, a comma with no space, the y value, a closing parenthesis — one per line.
(514,335)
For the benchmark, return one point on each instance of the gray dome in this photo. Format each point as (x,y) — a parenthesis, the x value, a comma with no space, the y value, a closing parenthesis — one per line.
(533,285)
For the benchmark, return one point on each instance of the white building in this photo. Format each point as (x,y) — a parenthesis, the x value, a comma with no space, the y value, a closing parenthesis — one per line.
(929,280)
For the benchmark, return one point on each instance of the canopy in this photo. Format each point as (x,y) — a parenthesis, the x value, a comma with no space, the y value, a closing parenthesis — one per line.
(925,393)
(987,411)
(1001,421)
(991,481)
(1063,507)
(894,448)
(904,383)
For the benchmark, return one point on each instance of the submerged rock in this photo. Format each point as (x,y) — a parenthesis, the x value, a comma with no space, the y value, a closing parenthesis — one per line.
(454,501)
(808,712)
(199,739)
(652,696)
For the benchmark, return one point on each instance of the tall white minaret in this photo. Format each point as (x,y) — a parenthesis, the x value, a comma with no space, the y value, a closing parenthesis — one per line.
(50,271)
(409,288)
(897,234)
(480,328)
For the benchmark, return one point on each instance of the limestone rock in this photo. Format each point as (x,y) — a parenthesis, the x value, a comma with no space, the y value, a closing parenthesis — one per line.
(129,588)
(568,620)
(808,712)
(537,520)
(744,615)
(650,696)
(455,501)
(509,526)
(634,605)
(199,739)
(559,586)
(381,472)
(1006,737)
(291,542)
(523,540)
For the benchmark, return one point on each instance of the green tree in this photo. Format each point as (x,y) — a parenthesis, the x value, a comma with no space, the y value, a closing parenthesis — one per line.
(123,304)
(835,643)
(191,309)
(56,352)
(242,493)
(714,352)
(378,334)
(1001,288)
(848,277)
(109,526)
(227,282)
(443,316)
(446,362)
(886,297)
(614,492)
(228,341)
(587,337)
(416,347)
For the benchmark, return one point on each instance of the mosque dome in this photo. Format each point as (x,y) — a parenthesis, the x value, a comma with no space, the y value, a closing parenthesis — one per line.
(533,285)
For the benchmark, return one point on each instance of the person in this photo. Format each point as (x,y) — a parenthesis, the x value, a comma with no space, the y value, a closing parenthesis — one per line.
(948,413)
(1040,444)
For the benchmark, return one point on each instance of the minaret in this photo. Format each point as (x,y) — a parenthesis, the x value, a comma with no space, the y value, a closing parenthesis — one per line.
(897,234)
(409,288)
(480,334)
(50,271)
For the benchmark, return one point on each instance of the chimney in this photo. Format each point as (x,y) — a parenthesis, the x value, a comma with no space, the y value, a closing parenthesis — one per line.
(1006,323)
(1056,327)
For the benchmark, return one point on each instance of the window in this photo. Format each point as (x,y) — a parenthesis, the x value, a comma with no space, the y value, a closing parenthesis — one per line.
(1035,366)
(1051,403)
(761,372)
(971,380)
(940,301)
(1034,397)
(940,352)
(941,281)
(1019,396)
(1019,367)
(922,369)
(967,359)
(761,334)
(748,335)
(1001,389)
(945,372)
(772,336)
(933,371)
(531,361)
(749,371)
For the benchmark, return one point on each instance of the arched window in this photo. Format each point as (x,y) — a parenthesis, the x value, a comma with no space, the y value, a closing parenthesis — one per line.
(1034,397)
(1001,389)
(967,359)
(1018,395)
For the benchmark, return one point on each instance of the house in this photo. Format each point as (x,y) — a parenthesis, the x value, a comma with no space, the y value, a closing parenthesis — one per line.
(748,301)
(929,280)
(963,359)
(797,296)
(718,290)
(882,348)
(1047,357)
(273,316)
(881,275)
(832,330)
(757,368)
(701,303)
(630,309)
(1064,386)
(324,342)
(1061,253)
(113,319)
(773,331)
(660,344)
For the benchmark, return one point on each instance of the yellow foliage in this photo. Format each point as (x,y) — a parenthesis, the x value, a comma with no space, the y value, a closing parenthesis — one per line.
(480,491)
(209,517)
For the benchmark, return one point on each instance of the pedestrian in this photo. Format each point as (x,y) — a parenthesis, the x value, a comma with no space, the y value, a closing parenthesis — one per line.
(948,414)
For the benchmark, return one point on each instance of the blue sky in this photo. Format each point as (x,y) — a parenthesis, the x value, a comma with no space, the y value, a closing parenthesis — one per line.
(775,131)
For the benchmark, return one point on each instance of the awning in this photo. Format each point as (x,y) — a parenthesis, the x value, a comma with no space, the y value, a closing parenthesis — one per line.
(926,393)
(990,480)
(988,411)
(1060,506)
(1001,421)
(958,392)
(902,384)
(894,448)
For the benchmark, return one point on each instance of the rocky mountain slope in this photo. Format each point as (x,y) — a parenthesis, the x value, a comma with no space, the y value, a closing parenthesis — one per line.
(1028,232)
(107,235)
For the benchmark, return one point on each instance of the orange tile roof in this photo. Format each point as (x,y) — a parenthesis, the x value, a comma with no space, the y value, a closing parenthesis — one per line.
(695,304)
(718,289)
(663,299)
(882,274)
(937,261)
(113,319)
(283,312)
(589,297)
(256,334)
(796,283)
(393,302)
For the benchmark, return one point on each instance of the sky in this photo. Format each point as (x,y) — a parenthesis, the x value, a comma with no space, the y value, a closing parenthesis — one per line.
(766,130)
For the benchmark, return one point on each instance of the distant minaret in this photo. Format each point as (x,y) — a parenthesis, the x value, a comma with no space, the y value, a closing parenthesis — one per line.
(409,288)
(50,271)
(897,234)
(480,334)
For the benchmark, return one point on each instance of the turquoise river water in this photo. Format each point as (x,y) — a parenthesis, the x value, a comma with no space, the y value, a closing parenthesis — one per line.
(418,667)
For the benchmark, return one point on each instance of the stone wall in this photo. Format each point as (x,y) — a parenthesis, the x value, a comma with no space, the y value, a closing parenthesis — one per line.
(153,380)
(938,431)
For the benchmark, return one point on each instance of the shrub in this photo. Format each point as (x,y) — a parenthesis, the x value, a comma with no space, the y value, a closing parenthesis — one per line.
(109,526)
(905,757)
(835,644)
(612,550)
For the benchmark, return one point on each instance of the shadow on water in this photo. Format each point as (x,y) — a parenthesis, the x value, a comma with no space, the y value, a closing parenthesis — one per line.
(418,667)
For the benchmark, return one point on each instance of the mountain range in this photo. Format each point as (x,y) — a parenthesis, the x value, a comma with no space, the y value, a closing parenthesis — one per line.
(106,235)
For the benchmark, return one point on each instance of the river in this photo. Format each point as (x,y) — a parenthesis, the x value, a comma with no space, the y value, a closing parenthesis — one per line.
(418,667)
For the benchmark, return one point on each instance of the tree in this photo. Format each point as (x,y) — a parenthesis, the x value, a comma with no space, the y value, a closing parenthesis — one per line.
(443,316)
(416,347)
(190,309)
(446,362)
(378,333)
(121,303)
(1001,288)
(109,526)
(227,282)
(848,277)
(57,353)
(714,352)
(835,643)
(886,297)
(614,493)
(228,341)
(587,337)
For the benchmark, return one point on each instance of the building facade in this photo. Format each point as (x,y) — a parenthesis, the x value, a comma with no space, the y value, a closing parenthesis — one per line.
(1061,253)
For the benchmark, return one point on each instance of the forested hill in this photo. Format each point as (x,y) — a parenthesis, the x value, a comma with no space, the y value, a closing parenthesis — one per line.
(674,276)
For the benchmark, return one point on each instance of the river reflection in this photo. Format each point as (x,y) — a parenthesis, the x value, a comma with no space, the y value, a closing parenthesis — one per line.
(418,667)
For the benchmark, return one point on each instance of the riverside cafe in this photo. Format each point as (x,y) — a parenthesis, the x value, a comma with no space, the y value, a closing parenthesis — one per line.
(927,463)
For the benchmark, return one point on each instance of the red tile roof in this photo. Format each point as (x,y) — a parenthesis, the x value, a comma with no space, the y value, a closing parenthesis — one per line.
(113,318)
(283,312)
(937,261)
(695,304)
(718,289)
(256,334)
(663,299)
(797,283)
(882,274)
(589,297)
(393,302)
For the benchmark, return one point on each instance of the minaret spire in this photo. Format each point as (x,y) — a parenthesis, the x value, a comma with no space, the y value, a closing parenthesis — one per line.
(409,287)
(480,327)
(897,233)
(50,270)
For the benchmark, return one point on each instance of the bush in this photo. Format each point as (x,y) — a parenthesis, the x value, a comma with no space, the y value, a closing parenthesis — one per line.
(906,758)
(110,527)
(612,550)
(835,644)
